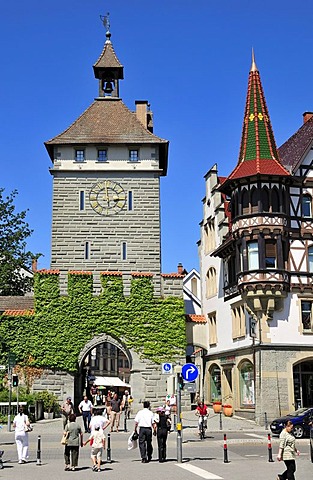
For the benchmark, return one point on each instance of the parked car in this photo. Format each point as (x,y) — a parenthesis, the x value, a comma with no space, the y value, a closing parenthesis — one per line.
(300,419)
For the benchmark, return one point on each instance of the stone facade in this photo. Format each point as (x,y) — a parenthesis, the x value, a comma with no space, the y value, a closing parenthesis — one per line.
(139,228)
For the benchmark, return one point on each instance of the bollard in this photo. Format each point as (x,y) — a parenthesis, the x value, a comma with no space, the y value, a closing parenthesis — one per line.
(38,450)
(221,422)
(225,449)
(109,459)
(265,421)
(269,446)
(125,421)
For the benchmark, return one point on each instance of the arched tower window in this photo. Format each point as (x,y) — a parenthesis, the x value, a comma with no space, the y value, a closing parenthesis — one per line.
(265,199)
(254,200)
(275,200)
(245,201)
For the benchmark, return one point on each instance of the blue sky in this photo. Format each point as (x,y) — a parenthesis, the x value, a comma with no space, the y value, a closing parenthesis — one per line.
(190,60)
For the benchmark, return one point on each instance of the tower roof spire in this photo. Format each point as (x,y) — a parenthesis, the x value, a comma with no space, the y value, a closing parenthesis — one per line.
(108,68)
(258,152)
(254,68)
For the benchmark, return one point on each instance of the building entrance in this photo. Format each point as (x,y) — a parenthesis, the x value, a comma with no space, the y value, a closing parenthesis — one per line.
(303,384)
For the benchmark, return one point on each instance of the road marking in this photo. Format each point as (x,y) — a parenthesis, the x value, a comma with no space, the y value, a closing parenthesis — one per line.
(199,471)
(254,435)
(251,455)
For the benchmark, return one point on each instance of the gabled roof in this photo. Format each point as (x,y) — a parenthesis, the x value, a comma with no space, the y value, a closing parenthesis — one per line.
(258,152)
(295,148)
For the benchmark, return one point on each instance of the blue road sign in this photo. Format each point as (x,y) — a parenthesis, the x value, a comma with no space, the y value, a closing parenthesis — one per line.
(189,372)
(167,368)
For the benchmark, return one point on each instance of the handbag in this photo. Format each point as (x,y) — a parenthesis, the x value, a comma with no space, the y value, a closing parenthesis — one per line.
(64,438)
(135,436)
(28,428)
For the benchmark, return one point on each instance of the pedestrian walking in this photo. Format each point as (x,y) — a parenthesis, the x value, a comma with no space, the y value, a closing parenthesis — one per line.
(116,408)
(144,420)
(126,403)
(108,399)
(85,407)
(67,408)
(99,419)
(74,441)
(97,442)
(287,452)
(21,425)
(162,428)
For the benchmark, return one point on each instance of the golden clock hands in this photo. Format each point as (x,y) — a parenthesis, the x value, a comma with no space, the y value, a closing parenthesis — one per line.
(106,196)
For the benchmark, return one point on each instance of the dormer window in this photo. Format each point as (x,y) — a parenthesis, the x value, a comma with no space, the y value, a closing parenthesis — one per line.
(102,155)
(79,155)
(134,155)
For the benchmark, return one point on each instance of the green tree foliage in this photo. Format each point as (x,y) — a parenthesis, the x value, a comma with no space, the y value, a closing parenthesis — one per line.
(14,258)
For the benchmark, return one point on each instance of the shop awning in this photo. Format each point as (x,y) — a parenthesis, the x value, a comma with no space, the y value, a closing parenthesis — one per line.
(110,382)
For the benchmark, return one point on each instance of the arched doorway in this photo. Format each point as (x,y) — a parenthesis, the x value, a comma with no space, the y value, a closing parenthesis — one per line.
(303,384)
(106,362)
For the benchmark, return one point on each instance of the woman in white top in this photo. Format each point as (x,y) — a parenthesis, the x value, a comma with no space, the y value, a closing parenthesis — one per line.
(20,424)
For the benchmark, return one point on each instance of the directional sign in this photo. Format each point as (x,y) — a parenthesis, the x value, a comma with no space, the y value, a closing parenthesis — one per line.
(167,368)
(3,367)
(189,372)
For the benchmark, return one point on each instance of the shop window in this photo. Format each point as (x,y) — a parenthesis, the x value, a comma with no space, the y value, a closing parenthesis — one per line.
(215,383)
(270,254)
(246,378)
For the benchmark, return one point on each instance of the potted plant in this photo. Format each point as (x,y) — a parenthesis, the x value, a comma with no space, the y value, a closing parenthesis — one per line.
(217,406)
(50,403)
(227,410)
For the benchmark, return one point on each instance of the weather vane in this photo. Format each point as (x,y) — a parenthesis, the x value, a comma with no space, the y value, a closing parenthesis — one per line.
(105,19)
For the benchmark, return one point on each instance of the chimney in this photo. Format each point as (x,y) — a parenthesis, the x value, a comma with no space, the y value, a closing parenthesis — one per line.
(34,265)
(307,116)
(180,269)
(142,111)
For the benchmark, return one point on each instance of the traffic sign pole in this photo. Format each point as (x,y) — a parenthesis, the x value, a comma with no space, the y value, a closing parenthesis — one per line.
(178,423)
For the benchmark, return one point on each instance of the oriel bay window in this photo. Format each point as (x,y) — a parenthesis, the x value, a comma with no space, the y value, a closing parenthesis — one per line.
(253,255)
(270,254)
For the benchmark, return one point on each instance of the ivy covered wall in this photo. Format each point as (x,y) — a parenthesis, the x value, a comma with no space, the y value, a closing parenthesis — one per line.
(60,326)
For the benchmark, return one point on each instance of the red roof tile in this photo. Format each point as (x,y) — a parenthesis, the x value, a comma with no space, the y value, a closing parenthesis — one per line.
(196,318)
(294,149)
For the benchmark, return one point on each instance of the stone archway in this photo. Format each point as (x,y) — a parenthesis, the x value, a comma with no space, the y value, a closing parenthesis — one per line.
(103,356)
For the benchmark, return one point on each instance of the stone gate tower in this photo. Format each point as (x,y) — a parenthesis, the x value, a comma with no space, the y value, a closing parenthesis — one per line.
(106,196)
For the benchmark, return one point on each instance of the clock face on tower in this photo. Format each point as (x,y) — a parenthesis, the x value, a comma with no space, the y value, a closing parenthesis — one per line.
(107,197)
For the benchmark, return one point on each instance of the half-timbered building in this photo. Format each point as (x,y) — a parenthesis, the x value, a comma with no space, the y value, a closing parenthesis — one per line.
(256,262)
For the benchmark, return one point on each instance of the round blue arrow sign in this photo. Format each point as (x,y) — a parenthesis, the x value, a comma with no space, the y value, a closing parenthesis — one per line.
(189,372)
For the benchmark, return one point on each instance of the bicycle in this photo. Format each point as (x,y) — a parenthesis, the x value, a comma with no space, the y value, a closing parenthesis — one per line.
(202,426)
